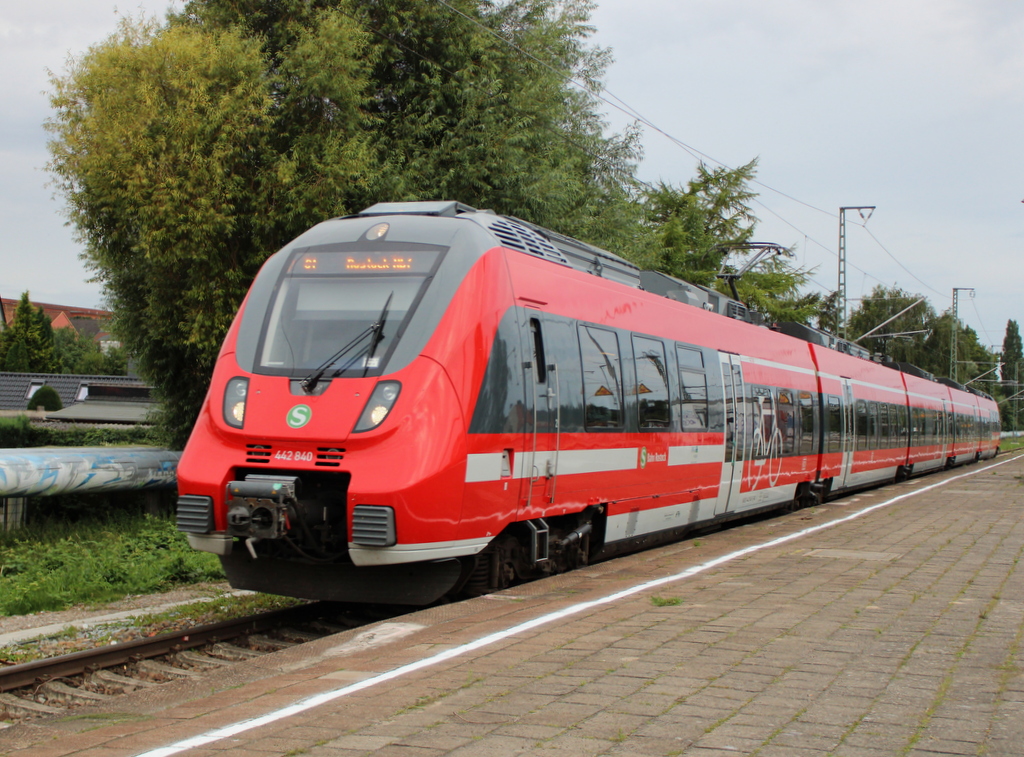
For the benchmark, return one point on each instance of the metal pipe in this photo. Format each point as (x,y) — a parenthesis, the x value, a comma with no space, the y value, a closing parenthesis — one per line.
(45,471)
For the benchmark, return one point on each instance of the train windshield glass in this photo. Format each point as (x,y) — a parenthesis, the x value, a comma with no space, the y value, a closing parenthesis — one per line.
(327,301)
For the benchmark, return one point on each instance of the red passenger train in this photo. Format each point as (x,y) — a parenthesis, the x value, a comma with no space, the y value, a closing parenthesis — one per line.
(426,400)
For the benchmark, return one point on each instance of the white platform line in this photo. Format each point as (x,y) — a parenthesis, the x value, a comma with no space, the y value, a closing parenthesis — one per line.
(329,696)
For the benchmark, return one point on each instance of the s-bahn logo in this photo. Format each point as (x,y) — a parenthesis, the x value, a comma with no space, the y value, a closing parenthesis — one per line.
(299,416)
(643,457)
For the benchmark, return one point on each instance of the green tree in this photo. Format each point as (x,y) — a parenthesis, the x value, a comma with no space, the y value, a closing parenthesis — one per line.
(701,231)
(973,359)
(191,150)
(69,348)
(1011,372)
(78,354)
(16,360)
(31,329)
(44,360)
(168,151)
(903,339)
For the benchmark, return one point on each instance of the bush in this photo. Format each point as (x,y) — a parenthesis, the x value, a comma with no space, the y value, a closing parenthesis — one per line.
(16,432)
(55,565)
(19,432)
(47,398)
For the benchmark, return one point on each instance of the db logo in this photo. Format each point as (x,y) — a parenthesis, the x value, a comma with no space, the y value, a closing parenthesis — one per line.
(299,416)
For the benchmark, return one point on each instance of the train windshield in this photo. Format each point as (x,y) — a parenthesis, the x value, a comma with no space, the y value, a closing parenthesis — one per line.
(342,310)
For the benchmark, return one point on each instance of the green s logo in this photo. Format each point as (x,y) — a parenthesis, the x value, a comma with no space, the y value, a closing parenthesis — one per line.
(299,416)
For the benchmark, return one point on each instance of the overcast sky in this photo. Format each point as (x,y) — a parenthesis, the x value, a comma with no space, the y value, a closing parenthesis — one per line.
(913,106)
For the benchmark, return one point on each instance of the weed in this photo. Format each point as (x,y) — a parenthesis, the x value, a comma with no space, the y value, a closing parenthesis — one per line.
(53,566)
(666,601)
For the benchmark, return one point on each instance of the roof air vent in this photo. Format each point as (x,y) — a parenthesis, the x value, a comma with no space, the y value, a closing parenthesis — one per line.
(525,240)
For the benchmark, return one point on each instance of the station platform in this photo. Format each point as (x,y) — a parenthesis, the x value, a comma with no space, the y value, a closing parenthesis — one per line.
(887,623)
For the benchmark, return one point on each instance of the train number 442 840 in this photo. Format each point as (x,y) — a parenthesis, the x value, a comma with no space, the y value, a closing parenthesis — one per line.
(292,454)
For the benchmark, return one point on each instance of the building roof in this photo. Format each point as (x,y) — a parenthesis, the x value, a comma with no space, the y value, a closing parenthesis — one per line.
(9,306)
(104,411)
(14,387)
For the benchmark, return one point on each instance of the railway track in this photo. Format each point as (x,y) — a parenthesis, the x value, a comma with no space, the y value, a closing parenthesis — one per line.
(51,686)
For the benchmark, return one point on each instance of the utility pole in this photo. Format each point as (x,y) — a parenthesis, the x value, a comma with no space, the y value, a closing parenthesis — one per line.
(953,332)
(842,260)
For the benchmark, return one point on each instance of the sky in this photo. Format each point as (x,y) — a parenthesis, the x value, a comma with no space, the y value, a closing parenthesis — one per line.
(915,107)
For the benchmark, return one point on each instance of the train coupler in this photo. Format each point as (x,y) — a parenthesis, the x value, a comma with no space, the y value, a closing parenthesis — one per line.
(259,507)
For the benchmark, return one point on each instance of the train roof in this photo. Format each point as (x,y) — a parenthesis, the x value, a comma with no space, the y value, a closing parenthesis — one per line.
(526,237)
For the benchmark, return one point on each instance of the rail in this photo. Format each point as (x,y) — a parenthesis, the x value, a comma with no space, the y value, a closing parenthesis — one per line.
(77,663)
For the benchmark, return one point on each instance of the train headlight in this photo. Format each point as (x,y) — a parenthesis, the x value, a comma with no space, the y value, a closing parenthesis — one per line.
(234,402)
(378,406)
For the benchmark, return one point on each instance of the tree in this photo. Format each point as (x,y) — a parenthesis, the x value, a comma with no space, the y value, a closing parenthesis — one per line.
(16,360)
(191,150)
(699,232)
(78,354)
(165,149)
(1012,370)
(902,339)
(32,331)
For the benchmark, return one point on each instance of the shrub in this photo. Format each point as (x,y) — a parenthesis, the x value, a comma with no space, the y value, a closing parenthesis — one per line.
(55,565)
(47,398)
(17,432)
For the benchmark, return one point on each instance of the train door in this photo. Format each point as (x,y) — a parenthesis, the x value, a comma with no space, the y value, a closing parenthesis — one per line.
(849,433)
(735,434)
(542,446)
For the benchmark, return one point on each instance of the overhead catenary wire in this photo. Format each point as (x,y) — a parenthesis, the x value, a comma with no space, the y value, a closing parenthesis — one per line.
(614,101)
(606,96)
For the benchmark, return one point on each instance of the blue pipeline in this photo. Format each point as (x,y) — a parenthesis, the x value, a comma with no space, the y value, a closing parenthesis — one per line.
(44,471)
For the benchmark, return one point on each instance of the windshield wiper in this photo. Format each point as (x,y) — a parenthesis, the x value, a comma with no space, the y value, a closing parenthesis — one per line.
(309,383)
(378,333)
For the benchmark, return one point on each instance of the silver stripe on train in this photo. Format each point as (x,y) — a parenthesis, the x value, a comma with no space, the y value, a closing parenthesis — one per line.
(488,466)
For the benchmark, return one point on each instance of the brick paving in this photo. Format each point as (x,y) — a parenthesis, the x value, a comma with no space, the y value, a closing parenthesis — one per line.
(897,633)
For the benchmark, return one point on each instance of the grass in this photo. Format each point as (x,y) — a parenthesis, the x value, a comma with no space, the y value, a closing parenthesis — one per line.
(200,612)
(57,565)
(665,601)
(1011,444)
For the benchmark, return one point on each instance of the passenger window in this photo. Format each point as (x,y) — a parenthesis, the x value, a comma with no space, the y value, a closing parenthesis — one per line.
(787,421)
(835,425)
(862,424)
(651,383)
(806,423)
(602,385)
(694,386)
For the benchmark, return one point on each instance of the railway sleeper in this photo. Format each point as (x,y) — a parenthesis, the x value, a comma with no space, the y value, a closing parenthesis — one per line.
(233,652)
(14,707)
(263,643)
(329,629)
(109,682)
(69,696)
(298,636)
(154,670)
(196,661)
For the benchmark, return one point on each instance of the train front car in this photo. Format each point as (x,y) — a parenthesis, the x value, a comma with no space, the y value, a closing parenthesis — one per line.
(329,459)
